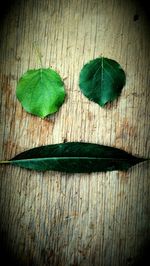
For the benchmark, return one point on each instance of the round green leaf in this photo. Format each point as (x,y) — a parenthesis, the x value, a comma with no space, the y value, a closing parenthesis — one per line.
(101,80)
(41,91)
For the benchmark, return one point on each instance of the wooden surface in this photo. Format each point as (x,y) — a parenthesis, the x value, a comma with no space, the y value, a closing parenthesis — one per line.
(75,219)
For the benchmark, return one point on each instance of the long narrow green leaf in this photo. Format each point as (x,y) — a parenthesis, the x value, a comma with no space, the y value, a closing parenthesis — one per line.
(75,157)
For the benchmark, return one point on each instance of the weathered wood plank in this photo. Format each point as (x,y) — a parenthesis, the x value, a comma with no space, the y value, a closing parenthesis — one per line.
(63,219)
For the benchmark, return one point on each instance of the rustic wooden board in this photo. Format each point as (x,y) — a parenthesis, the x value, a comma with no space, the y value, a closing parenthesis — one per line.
(75,219)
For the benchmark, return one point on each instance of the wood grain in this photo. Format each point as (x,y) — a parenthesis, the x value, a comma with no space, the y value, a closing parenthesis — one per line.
(75,219)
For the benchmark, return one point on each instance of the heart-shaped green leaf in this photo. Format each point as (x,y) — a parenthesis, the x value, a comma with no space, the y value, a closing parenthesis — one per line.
(41,91)
(75,157)
(101,80)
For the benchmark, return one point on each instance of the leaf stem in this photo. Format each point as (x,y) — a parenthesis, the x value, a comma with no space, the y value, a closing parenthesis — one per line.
(1,162)
(39,55)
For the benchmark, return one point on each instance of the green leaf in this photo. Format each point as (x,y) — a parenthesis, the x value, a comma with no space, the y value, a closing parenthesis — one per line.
(101,80)
(75,157)
(41,91)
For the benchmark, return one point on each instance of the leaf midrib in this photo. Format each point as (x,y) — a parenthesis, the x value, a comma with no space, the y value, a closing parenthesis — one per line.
(72,158)
(104,61)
